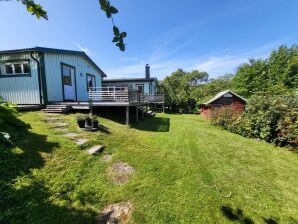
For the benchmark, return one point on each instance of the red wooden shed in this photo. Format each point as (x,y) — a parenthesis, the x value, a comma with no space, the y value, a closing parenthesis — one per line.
(225,98)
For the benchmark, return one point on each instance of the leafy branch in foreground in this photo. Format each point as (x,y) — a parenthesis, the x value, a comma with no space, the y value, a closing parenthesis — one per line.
(39,12)
(118,36)
(35,9)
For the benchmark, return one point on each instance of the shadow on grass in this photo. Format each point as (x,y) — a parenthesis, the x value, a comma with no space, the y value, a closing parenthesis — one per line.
(104,129)
(237,215)
(30,201)
(153,124)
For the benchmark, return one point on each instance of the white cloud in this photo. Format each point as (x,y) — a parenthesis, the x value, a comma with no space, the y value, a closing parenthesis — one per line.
(86,50)
(163,62)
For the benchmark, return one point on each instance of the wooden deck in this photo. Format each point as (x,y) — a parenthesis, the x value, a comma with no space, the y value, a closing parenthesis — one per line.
(86,105)
(114,96)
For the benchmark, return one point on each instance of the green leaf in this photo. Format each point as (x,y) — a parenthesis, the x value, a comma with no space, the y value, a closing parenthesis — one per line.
(108,13)
(116,30)
(115,39)
(113,10)
(123,34)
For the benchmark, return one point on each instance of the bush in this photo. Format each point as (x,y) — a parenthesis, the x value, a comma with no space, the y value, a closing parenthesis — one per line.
(271,118)
(8,122)
(224,116)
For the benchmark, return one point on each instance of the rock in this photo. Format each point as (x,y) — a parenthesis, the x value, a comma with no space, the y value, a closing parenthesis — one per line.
(115,213)
(60,130)
(95,149)
(81,141)
(51,119)
(61,125)
(72,135)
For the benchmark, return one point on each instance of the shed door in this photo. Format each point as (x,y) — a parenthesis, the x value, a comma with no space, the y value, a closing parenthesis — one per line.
(68,80)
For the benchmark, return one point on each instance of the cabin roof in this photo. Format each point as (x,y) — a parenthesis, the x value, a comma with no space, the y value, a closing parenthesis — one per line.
(129,80)
(53,50)
(219,95)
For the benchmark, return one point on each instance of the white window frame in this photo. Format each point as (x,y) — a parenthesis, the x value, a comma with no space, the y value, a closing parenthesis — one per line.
(22,63)
(142,85)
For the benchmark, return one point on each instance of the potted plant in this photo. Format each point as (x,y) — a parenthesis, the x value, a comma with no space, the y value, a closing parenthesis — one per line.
(81,121)
(94,122)
(88,122)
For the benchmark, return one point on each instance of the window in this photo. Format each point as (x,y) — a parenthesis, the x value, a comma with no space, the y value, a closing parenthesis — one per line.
(90,82)
(140,87)
(66,76)
(26,68)
(16,68)
(9,69)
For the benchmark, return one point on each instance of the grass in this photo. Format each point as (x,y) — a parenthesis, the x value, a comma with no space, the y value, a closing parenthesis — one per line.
(185,171)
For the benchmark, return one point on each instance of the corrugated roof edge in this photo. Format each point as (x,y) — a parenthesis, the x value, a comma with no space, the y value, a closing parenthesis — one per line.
(131,80)
(223,93)
(53,50)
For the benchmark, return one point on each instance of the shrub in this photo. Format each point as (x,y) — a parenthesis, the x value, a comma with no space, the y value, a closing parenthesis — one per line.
(9,123)
(224,116)
(271,118)
(80,117)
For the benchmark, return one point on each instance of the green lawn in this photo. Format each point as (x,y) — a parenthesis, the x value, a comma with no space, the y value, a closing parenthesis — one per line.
(185,171)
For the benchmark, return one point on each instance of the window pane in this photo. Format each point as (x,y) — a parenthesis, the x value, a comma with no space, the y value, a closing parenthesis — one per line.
(18,68)
(67,76)
(8,69)
(26,68)
(66,71)
(90,82)
(140,88)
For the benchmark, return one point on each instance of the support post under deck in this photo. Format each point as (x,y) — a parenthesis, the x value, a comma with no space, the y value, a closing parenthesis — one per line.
(142,112)
(137,114)
(91,111)
(127,115)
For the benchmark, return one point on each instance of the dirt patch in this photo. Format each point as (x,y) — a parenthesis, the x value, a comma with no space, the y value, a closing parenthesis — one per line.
(115,213)
(120,179)
(122,167)
(121,172)
(107,157)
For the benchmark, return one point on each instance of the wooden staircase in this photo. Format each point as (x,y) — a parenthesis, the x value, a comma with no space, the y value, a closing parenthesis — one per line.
(53,108)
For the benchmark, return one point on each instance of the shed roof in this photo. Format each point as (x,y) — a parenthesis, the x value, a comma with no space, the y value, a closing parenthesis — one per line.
(219,95)
(53,50)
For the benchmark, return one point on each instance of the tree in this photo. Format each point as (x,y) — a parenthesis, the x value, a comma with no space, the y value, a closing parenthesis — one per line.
(276,75)
(178,88)
(208,90)
(39,12)
(251,77)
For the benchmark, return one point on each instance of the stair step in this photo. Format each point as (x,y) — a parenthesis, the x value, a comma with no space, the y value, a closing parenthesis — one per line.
(55,108)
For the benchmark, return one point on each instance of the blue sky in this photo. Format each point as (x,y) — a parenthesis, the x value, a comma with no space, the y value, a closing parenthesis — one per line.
(210,35)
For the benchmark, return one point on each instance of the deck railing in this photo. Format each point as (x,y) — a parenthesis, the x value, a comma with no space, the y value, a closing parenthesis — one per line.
(115,94)
(121,94)
(155,98)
